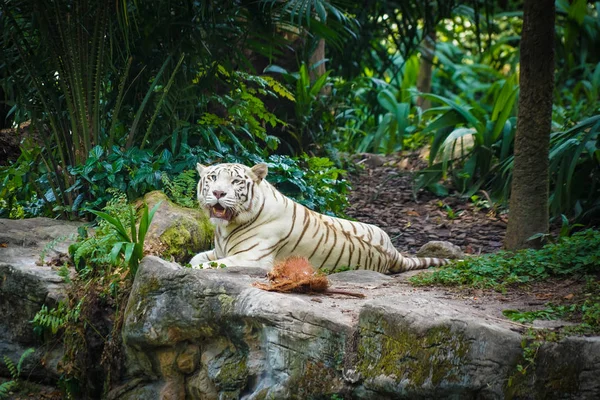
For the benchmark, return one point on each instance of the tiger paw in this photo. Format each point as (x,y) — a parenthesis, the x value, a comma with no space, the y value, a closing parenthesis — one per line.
(209,265)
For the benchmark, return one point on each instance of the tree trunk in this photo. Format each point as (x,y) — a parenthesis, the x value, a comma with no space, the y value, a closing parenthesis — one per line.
(315,73)
(317,56)
(426,70)
(528,213)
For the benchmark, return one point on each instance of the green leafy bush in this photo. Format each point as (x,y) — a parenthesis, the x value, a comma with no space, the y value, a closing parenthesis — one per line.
(311,107)
(376,115)
(91,253)
(575,170)
(314,182)
(20,194)
(182,188)
(578,254)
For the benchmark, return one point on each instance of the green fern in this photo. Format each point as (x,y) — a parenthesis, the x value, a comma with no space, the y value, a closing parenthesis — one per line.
(52,245)
(15,372)
(182,188)
(6,388)
(56,318)
(93,252)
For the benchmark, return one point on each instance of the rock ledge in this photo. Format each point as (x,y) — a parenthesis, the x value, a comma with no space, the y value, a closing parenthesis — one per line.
(208,334)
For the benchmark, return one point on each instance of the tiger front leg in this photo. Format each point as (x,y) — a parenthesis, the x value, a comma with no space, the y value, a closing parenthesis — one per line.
(204,257)
(236,261)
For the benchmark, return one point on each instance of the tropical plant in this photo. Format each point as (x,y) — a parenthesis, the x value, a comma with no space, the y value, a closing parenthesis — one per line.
(472,143)
(575,166)
(386,30)
(20,194)
(182,188)
(310,106)
(131,245)
(314,182)
(97,79)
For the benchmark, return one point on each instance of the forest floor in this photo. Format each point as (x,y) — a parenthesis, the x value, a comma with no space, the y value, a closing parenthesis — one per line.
(382,194)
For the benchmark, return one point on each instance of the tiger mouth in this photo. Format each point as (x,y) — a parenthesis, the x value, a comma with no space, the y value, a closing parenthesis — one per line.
(218,211)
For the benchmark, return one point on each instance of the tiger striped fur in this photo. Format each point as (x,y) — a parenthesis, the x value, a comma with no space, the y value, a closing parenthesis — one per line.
(256,225)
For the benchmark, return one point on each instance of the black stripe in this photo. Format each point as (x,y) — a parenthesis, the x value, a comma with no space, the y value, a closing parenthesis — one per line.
(330,250)
(246,224)
(272,251)
(288,234)
(350,253)
(318,223)
(316,247)
(306,225)
(339,258)
(245,250)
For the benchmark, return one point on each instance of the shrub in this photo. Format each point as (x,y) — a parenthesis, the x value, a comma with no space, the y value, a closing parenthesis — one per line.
(578,254)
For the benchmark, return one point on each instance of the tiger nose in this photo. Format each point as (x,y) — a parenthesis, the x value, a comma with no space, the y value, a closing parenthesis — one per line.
(219,193)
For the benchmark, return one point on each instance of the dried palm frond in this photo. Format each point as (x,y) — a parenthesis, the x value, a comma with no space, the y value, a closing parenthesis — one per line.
(296,274)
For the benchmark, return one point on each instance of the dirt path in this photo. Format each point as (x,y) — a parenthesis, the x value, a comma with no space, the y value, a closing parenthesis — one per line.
(383,195)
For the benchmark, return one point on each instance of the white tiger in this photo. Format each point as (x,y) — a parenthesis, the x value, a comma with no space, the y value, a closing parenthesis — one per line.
(256,225)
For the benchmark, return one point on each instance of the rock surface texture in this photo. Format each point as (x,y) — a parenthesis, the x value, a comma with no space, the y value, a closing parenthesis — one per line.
(209,334)
(25,286)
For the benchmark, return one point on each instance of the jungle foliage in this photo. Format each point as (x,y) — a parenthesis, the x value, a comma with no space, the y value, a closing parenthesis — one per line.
(101,82)
(111,111)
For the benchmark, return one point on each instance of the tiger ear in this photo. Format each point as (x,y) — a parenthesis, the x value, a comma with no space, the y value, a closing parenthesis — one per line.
(200,168)
(260,171)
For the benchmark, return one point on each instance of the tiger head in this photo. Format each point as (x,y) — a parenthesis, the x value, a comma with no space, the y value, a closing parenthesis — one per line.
(229,191)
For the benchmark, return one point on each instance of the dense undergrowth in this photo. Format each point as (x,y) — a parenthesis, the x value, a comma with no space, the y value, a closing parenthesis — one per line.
(578,254)
(208,103)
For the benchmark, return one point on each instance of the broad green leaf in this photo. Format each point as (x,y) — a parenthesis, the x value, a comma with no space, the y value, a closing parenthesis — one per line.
(387,100)
(116,250)
(129,247)
(449,119)
(114,222)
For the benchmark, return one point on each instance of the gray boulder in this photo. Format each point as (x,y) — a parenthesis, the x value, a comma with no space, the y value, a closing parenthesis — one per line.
(27,283)
(441,249)
(176,232)
(209,334)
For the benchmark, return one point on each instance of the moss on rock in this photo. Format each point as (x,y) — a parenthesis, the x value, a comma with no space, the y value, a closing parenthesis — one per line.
(316,380)
(177,232)
(417,359)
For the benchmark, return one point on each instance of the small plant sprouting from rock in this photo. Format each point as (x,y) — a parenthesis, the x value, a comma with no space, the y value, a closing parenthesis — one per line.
(105,265)
(55,319)
(15,370)
(131,244)
(51,245)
